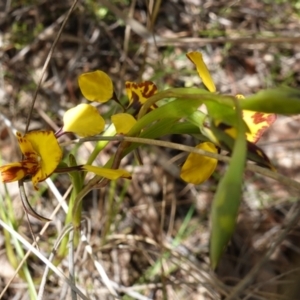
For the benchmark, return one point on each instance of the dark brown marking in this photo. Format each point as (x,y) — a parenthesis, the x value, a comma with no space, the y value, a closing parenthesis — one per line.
(259,117)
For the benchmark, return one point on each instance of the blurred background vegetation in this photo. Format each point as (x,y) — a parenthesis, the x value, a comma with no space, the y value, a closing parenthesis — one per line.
(151,234)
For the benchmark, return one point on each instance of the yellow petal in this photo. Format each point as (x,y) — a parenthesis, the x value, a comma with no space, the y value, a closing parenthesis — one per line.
(84,120)
(198,168)
(49,153)
(138,93)
(96,86)
(26,147)
(107,173)
(257,122)
(239,96)
(12,172)
(123,122)
(197,60)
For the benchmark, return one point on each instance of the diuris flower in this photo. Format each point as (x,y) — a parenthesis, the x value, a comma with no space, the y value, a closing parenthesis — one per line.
(198,168)
(97,86)
(42,155)
(257,122)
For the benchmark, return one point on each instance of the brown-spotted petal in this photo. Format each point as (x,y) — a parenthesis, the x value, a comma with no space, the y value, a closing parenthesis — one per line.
(12,172)
(257,122)
(138,93)
(49,153)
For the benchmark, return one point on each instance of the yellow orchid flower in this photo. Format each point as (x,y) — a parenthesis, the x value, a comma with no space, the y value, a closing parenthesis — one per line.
(42,155)
(96,86)
(257,122)
(84,120)
(198,168)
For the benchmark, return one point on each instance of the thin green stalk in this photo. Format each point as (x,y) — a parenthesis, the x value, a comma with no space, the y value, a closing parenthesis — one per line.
(110,131)
(251,167)
(110,211)
(75,219)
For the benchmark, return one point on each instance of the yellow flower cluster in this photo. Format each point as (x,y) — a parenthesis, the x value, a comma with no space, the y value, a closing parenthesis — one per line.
(198,168)
(42,153)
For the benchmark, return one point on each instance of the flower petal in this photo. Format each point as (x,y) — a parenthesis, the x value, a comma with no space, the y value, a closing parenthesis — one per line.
(138,93)
(12,172)
(96,86)
(257,122)
(198,168)
(123,122)
(111,174)
(26,147)
(49,153)
(197,60)
(84,120)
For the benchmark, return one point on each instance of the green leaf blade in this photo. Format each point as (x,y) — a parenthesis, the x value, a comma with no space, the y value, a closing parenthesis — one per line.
(283,100)
(227,198)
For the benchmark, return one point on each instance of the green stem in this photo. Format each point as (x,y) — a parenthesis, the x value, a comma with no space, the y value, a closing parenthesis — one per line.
(185,93)
(110,131)
(250,166)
